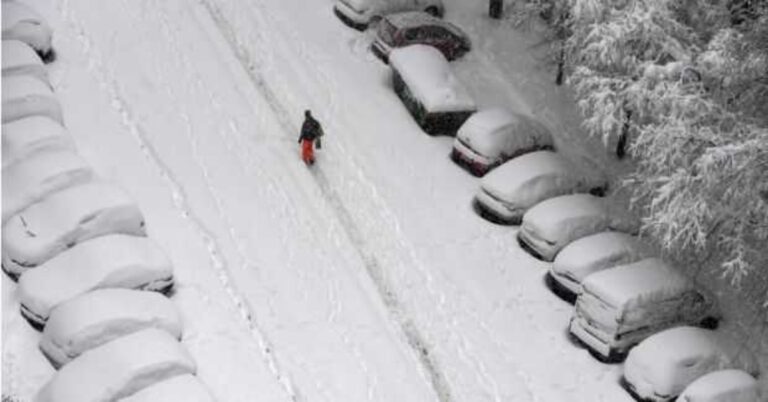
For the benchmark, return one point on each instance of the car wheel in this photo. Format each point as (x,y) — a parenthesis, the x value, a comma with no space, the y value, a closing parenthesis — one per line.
(433,11)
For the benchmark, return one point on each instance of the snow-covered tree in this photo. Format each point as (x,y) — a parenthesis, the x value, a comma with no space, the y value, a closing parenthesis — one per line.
(688,83)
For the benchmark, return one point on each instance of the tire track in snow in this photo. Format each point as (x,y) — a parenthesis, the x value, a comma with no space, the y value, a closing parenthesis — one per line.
(274,188)
(105,81)
(412,334)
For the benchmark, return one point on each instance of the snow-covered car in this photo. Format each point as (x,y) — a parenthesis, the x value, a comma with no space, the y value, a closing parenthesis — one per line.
(492,136)
(620,307)
(23,138)
(660,367)
(20,59)
(437,100)
(554,223)
(722,386)
(415,27)
(119,368)
(63,219)
(508,191)
(25,96)
(22,23)
(592,254)
(359,14)
(99,316)
(111,261)
(186,388)
(42,173)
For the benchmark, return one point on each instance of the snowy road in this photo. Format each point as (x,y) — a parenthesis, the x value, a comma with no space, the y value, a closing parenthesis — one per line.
(366,278)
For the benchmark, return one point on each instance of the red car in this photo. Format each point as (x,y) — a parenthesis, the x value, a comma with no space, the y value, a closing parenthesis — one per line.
(411,28)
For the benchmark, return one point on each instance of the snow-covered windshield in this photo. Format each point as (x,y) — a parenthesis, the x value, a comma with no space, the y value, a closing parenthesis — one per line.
(387,32)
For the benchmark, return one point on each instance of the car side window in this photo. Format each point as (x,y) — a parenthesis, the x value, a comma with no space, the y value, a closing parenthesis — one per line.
(411,35)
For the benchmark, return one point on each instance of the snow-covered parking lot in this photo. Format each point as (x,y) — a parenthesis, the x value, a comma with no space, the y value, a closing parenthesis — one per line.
(365,278)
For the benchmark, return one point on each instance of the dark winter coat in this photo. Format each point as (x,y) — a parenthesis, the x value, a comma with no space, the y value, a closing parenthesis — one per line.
(310,129)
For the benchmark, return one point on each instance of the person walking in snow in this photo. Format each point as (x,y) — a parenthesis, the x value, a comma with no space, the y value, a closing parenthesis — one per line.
(311,131)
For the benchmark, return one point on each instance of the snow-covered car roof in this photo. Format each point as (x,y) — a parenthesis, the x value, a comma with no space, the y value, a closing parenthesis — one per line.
(534,177)
(119,368)
(25,137)
(99,316)
(30,180)
(556,217)
(65,218)
(112,261)
(428,75)
(25,24)
(25,96)
(492,131)
(410,19)
(597,252)
(20,59)
(387,6)
(186,388)
(668,361)
(722,386)
(647,279)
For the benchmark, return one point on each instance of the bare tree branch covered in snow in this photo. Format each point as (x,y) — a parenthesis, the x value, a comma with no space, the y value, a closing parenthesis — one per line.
(685,83)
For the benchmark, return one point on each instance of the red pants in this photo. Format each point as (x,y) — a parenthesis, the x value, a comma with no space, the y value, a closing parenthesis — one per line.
(307,151)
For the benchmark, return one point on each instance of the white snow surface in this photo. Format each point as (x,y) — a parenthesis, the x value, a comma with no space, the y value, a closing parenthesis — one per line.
(99,316)
(24,23)
(428,75)
(119,368)
(722,386)
(65,218)
(647,279)
(111,261)
(43,173)
(182,388)
(25,96)
(666,362)
(497,131)
(20,59)
(25,137)
(599,252)
(366,278)
(534,177)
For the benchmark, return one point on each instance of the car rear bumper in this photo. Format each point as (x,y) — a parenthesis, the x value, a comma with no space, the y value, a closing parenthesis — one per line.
(350,17)
(592,342)
(468,159)
(495,210)
(563,287)
(381,50)
(537,247)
